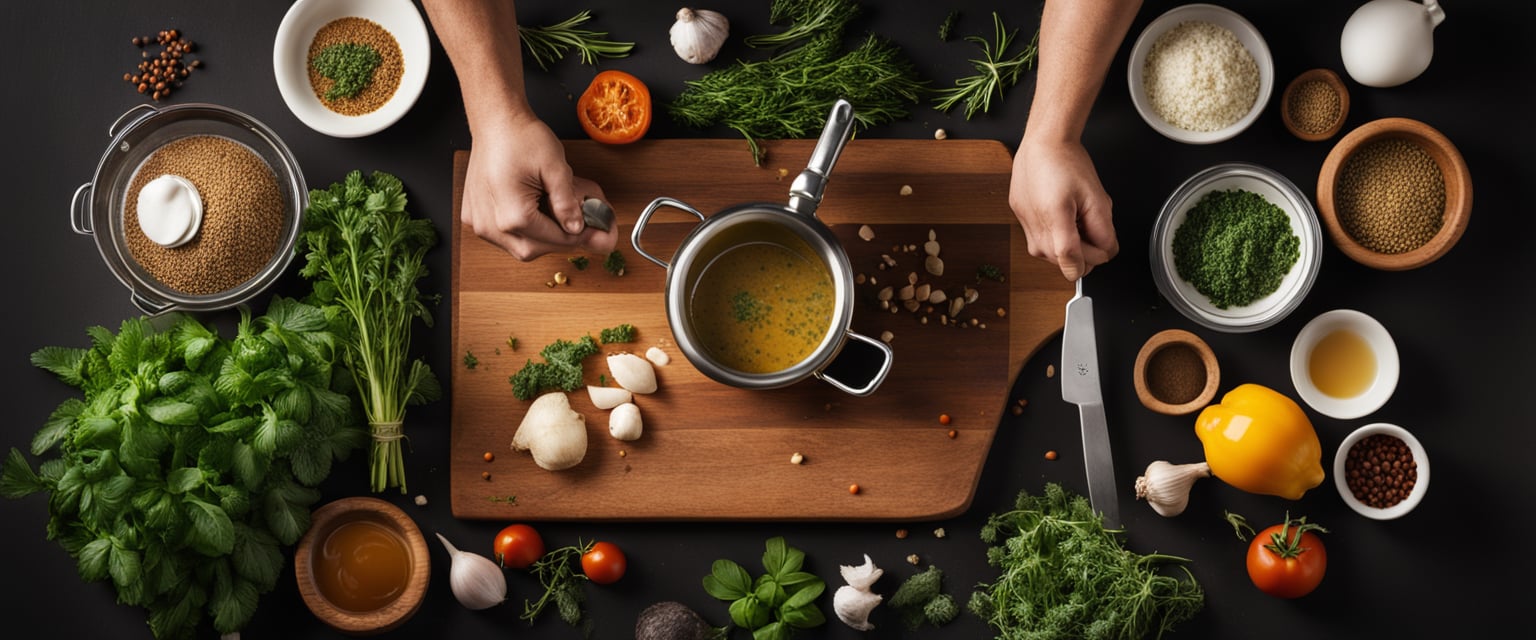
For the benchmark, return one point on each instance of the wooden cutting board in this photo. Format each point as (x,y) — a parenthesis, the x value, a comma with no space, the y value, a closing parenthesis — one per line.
(715,452)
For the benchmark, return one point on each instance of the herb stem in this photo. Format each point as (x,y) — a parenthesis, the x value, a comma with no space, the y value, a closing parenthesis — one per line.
(550,43)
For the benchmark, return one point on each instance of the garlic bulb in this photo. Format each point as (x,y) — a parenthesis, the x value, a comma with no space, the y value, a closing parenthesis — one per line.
(477,582)
(553,432)
(698,34)
(1166,486)
(853,602)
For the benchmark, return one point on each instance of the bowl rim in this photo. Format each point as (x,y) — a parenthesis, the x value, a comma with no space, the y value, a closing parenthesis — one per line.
(1388,364)
(1171,338)
(290,55)
(388,617)
(1332,79)
(1453,168)
(1233,21)
(1263,313)
(1420,484)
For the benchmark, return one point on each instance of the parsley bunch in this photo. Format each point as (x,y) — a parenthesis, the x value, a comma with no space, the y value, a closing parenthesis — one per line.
(366,254)
(191,460)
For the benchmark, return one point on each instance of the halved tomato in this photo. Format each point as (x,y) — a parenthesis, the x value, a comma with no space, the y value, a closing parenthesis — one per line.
(616,108)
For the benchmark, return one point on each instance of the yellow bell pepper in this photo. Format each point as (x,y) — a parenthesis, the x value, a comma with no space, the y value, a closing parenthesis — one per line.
(1260,441)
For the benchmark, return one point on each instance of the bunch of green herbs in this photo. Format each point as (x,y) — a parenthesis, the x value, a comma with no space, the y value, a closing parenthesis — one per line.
(366,254)
(557,575)
(191,460)
(550,43)
(561,368)
(1065,576)
(349,65)
(803,19)
(777,602)
(921,600)
(997,70)
(789,94)
(1235,247)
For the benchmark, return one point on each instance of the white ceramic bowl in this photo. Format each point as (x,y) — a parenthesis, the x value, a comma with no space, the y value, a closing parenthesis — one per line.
(1293,288)
(290,59)
(1219,16)
(1420,458)
(1381,345)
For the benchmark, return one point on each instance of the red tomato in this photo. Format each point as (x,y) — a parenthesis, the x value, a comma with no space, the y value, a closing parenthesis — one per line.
(604,563)
(1287,560)
(518,546)
(615,108)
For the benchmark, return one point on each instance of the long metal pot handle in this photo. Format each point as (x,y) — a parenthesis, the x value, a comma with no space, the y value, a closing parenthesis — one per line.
(645,217)
(806,191)
(886,357)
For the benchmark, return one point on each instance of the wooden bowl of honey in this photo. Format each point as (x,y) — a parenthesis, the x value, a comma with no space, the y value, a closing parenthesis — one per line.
(363,566)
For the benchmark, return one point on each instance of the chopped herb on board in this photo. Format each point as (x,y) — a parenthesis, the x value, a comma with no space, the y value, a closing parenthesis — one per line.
(990,272)
(622,333)
(581,262)
(614,263)
(470,361)
(561,368)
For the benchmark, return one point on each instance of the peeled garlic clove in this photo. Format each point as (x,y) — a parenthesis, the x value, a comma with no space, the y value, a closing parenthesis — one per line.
(606,398)
(853,606)
(1166,486)
(657,356)
(476,580)
(862,576)
(624,422)
(632,372)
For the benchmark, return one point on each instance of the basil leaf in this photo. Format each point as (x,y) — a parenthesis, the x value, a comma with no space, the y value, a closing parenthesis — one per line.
(775,557)
(257,558)
(804,617)
(234,609)
(212,533)
(727,581)
(806,595)
(93,559)
(749,613)
(124,566)
(770,593)
(172,412)
(775,631)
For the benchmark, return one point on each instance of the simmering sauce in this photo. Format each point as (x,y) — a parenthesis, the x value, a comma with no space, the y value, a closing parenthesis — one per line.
(1342,364)
(362,566)
(762,307)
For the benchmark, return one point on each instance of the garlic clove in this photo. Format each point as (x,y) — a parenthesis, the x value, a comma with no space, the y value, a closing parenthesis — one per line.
(476,580)
(606,398)
(624,422)
(861,576)
(633,372)
(1166,486)
(698,34)
(853,606)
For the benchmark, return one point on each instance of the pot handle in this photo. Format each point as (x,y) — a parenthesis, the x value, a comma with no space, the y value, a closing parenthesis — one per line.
(129,117)
(645,217)
(151,307)
(80,210)
(805,193)
(886,356)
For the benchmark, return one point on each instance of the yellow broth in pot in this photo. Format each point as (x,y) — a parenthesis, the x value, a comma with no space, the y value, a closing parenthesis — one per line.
(764,303)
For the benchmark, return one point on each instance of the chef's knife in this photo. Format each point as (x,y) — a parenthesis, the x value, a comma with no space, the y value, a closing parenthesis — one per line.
(1080,386)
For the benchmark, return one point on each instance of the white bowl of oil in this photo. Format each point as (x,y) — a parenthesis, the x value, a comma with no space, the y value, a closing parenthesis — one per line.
(1344,364)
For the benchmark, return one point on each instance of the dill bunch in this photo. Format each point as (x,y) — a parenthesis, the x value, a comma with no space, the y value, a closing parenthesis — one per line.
(996,71)
(788,95)
(805,19)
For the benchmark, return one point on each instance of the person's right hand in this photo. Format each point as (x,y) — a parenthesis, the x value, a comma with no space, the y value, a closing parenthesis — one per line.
(1058,199)
(512,164)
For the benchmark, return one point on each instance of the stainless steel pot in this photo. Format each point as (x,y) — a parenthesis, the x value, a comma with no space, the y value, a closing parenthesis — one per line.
(858,371)
(98,206)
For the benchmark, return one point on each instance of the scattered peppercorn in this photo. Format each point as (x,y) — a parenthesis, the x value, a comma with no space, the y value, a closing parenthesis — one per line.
(1390,196)
(1050,455)
(489,456)
(901,534)
(952,434)
(944,418)
(486,475)
(157,77)
(1380,470)
(853,489)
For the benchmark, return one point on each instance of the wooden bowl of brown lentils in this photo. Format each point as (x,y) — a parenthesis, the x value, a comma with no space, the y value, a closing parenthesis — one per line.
(1394,194)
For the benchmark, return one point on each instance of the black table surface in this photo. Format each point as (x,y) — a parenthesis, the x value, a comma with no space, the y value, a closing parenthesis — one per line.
(1462,324)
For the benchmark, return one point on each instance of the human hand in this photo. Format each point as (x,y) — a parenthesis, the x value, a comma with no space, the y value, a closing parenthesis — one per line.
(1058,199)
(511,166)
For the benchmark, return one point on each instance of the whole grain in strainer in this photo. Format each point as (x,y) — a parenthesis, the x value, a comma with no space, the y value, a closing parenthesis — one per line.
(242,221)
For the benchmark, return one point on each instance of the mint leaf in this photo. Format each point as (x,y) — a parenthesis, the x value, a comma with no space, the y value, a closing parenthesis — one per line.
(63,362)
(211,533)
(56,429)
(17,479)
(124,566)
(257,558)
(234,609)
(171,412)
(93,559)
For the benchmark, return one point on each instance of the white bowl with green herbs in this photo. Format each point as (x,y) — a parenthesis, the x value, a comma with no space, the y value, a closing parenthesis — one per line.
(1230,272)
(376,57)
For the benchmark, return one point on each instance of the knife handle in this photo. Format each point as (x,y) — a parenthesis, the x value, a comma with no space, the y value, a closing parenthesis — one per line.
(1099,463)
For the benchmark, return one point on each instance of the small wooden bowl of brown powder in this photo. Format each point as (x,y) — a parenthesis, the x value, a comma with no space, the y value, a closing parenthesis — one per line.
(1176,373)
(1314,105)
(1394,194)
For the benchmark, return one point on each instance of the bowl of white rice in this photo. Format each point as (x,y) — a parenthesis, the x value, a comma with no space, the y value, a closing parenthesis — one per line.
(1200,74)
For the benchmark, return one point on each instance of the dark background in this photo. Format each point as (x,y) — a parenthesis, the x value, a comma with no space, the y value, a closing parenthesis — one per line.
(1457,564)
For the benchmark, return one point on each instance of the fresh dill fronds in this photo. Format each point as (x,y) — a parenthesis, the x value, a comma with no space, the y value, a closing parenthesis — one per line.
(996,71)
(550,43)
(805,18)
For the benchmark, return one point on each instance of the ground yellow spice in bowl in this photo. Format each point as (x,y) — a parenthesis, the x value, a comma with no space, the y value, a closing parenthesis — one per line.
(1395,194)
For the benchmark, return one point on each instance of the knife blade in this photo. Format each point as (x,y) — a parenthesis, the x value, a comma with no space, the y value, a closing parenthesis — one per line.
(1080,386)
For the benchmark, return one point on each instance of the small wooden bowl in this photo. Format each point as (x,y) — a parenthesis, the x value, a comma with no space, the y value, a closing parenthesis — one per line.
(1328,77)
(323,523)
(1458,192)
(1176,339)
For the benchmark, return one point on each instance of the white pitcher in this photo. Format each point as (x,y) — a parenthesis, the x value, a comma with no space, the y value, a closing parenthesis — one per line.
(1389,42)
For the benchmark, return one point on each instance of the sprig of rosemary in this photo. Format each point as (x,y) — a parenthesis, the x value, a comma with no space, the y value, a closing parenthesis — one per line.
(550,43)
(948,25)
(995,73)
(805,18)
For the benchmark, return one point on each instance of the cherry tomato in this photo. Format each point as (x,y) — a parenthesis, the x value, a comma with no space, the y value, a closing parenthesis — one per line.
(615,108)
(1287,560)
(518,546)
(604,563)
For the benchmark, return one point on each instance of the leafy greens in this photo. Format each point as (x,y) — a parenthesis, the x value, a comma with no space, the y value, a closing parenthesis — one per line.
(366,254)
(191,459)
(777,602)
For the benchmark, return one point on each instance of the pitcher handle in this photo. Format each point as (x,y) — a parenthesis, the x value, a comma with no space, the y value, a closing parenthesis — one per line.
(886,357)
(645,217)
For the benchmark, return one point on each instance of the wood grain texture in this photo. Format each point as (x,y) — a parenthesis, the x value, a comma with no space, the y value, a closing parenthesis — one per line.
(715,452)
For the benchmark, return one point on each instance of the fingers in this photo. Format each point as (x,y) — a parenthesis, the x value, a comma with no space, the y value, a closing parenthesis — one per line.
(564,201)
